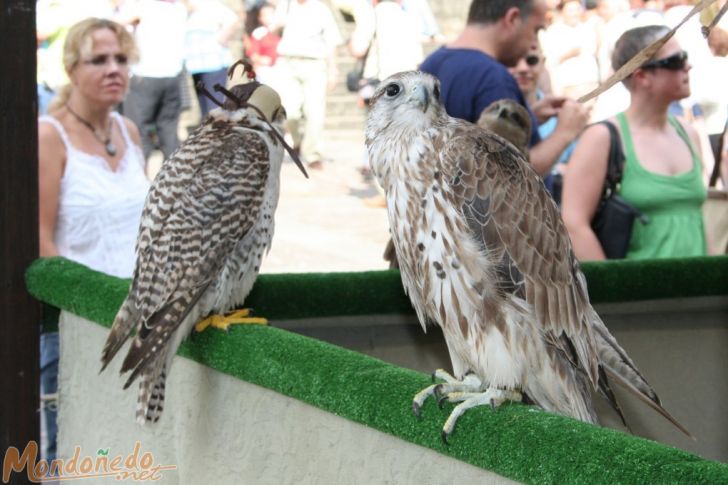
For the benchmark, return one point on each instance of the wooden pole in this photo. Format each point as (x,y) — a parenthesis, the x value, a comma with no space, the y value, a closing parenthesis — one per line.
(19,313)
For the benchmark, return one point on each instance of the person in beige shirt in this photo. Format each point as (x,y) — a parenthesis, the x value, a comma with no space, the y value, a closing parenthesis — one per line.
(306,67)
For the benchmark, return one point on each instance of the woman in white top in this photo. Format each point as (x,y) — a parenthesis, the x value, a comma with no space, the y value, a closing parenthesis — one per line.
(91,174)
(91,169)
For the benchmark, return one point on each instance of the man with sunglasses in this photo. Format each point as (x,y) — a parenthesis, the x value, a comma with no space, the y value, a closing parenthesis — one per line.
(530,74)
(473,72)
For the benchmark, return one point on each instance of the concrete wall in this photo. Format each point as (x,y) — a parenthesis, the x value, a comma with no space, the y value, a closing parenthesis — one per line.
(680,346)
(220,430)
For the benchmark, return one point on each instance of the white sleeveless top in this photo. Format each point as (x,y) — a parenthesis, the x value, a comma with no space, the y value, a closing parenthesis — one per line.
(99,209)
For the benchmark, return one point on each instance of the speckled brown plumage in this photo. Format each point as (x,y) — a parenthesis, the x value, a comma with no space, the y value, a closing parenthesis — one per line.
(483,253)
(207,221)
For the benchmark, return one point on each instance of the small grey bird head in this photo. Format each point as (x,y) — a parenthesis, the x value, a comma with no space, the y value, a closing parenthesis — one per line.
(509,119)
(409,101)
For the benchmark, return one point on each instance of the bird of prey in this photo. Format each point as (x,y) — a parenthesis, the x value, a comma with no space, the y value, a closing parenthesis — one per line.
(504,117)
(206,223)
(509,119)
(483,253)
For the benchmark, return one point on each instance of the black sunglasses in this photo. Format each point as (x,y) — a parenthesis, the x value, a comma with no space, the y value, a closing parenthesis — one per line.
(675,62)
(532,60)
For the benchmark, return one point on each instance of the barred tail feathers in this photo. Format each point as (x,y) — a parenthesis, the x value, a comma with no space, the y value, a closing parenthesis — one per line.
(123,326)
(150,400)
(619,367)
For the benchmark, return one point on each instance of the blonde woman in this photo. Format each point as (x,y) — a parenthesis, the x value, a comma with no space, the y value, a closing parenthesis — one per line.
(91,169)
(92,183)
(662,168)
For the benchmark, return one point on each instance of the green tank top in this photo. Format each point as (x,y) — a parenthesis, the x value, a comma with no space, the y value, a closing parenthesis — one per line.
(672,203)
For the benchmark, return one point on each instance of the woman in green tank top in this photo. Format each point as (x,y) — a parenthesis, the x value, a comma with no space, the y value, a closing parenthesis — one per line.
(662,169)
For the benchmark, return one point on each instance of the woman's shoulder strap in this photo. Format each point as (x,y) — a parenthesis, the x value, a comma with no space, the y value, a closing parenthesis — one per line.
(122,126)
(59,128)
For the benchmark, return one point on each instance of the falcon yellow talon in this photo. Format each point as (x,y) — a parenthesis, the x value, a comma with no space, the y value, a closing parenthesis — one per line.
(223,322)
(242,313)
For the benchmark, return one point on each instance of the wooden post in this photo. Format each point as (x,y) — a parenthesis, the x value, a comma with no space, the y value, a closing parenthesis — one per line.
(19,313)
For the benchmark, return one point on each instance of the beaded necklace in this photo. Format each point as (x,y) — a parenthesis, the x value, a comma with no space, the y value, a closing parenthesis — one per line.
(108,145)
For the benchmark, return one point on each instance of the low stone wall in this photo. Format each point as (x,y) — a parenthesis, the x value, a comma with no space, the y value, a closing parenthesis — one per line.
(678,344)
(217,429)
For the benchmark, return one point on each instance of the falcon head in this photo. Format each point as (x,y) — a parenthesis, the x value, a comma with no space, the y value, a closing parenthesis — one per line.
(407,100)
(509,119)
(262,97)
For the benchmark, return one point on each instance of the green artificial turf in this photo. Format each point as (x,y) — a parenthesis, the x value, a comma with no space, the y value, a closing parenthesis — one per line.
(515,441)
(310,295)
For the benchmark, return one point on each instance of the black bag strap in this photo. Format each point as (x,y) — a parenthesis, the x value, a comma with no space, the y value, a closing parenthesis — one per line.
(715,175)
(362,61)
(615,160)
(615,169)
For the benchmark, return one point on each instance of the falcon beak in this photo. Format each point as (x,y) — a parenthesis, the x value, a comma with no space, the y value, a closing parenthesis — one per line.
(299,164)
(421,97)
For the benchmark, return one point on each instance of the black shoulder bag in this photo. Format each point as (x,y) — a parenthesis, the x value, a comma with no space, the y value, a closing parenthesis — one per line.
(355,77)
(614,218)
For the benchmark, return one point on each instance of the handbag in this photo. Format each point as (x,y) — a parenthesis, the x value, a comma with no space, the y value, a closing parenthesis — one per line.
(612,223)
(355,81)
(354,77)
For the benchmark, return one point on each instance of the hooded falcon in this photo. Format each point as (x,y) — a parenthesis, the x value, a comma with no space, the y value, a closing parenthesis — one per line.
(483,253)
(206,223)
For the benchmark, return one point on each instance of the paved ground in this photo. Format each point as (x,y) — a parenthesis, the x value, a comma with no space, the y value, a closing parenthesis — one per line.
(323,224)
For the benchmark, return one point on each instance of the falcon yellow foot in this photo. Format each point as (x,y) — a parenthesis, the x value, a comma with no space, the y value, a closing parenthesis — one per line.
(469,392)
(223,322)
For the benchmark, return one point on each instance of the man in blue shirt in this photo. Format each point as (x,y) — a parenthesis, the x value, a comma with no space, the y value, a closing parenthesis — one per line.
(472,72)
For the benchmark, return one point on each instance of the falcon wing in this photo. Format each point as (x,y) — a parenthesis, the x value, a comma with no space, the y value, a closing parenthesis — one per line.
(513,217)
(205,200)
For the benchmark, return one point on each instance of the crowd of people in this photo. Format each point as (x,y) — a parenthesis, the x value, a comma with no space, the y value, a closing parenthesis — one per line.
(525,51)
(134,56)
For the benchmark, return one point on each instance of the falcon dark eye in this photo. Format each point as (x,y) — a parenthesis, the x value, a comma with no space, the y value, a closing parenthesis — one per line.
(436,91)
(392,90)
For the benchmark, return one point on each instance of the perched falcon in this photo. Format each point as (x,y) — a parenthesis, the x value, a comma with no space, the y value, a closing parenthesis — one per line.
(207,221)
(509,119)
(483,253)
(504,117)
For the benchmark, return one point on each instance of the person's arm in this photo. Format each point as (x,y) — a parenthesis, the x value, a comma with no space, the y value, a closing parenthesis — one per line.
(364,26)
(332,70)
(572,119)
(583,185)
(332,39)
(51,162)
(547,107)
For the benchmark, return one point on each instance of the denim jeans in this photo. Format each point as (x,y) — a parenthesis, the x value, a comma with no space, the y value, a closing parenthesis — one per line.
(48,390)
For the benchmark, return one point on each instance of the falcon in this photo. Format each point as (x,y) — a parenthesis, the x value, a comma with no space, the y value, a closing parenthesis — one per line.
(509,119)
(206,223)
(483,253)
(504,117)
